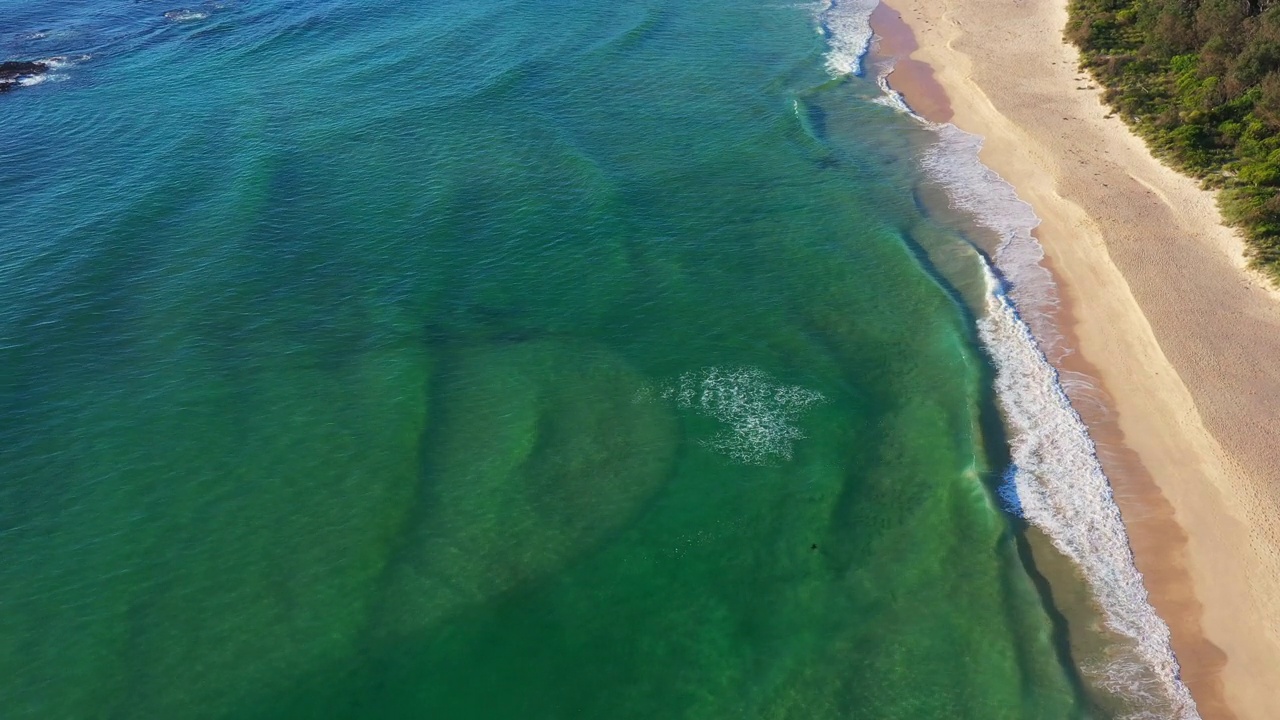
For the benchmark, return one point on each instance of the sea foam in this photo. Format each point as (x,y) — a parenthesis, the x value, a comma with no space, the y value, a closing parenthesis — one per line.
(846,24)
(1055,480)
(759,415)
(186,15)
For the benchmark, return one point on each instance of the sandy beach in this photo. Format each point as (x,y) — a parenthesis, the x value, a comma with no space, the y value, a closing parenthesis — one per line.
(1179,341)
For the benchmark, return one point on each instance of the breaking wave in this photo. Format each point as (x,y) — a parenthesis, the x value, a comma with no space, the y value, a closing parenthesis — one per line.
(846,24)
(1055,480)
(1056,483)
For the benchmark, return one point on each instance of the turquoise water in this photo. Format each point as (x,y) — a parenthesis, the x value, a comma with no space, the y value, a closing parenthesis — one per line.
(488,360)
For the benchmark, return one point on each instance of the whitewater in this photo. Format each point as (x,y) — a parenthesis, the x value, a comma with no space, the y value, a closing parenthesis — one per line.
(1055,480)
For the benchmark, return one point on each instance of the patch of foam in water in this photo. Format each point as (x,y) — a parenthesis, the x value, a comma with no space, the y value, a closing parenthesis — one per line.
(760,414)
(185,15)
(62,62)
(846,24)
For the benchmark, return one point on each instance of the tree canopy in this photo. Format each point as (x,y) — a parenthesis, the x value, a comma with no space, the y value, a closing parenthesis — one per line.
(1200,80)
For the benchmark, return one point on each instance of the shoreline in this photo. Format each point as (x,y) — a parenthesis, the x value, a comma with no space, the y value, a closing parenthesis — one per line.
(1197,493)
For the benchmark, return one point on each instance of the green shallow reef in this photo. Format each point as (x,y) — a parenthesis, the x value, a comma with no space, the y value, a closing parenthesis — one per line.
(489,360)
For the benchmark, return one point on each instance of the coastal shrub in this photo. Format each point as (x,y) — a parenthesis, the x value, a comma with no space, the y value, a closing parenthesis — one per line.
(1200,81)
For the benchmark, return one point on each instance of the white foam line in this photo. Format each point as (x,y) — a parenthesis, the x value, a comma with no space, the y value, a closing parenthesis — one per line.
(1059,486)
(846,24)
(1056,481)
(1055,475)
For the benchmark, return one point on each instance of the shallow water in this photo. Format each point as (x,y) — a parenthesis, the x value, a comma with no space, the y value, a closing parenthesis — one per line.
(490,359)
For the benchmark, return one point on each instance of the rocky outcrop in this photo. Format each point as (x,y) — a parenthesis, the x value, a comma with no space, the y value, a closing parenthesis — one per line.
(13,72)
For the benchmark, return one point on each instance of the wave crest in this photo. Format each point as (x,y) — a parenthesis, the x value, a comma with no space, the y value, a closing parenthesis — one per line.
(1057,484)
(846,24)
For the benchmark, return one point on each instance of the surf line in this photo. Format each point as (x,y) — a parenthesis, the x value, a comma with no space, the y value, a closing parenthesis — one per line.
(1055,480)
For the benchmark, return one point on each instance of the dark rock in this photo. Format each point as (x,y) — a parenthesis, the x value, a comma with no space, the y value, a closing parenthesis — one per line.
(12,72)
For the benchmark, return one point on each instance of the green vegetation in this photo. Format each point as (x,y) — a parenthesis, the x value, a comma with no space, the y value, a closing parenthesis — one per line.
(1200,80)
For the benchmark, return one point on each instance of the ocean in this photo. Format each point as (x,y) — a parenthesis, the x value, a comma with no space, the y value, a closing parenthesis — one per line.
(563,359)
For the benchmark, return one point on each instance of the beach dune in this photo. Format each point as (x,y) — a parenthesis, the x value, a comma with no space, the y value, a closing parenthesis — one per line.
(1179,341)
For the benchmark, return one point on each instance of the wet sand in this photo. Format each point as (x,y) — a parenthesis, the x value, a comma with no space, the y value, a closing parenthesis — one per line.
(1176,344)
